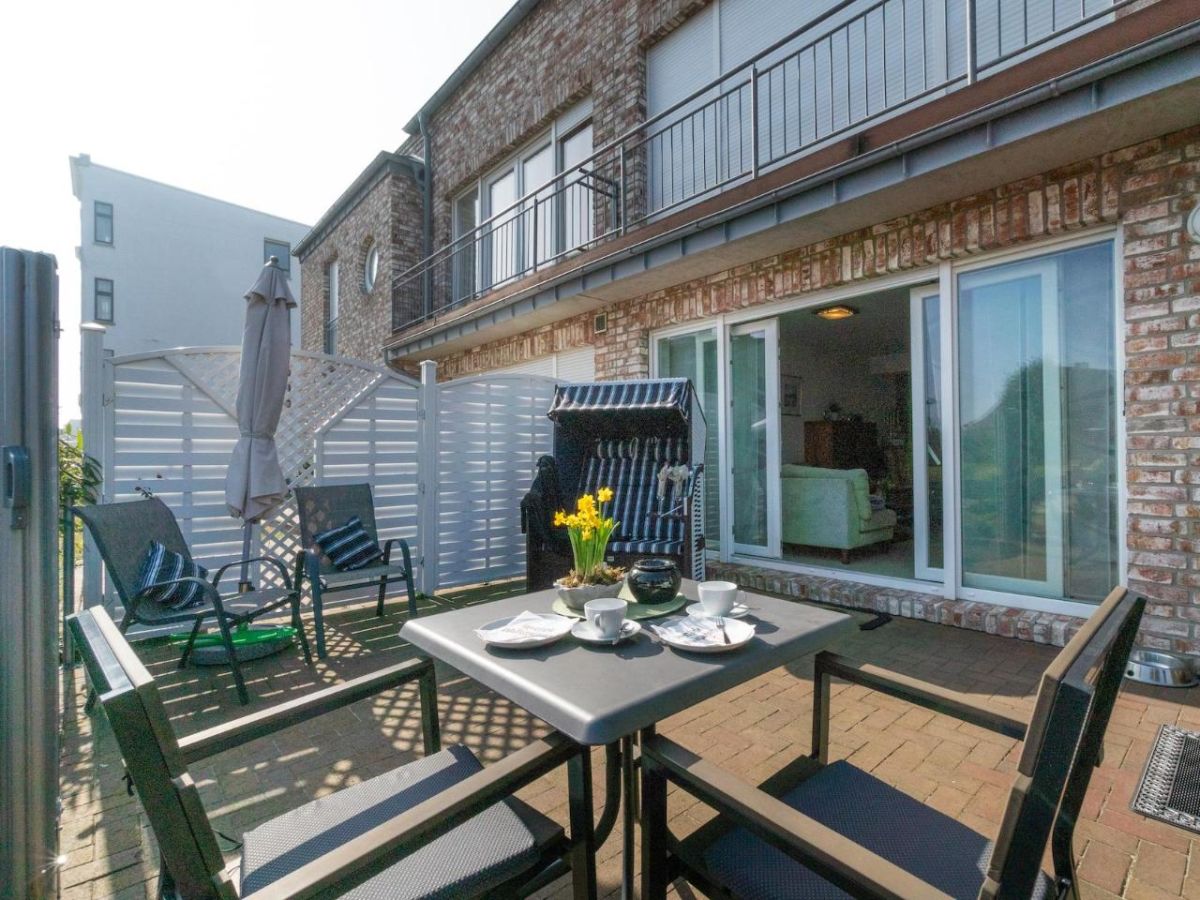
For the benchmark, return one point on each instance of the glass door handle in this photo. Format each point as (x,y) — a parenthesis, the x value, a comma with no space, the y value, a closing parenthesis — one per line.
(17,482)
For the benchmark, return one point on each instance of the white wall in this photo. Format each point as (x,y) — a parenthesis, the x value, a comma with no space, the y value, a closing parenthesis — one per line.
(180,262)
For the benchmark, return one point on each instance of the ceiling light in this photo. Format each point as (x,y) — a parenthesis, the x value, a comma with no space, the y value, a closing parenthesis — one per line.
(833,313)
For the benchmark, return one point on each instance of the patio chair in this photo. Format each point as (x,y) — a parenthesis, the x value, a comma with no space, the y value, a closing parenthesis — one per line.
(623,435)
(124,531)
(819,829)
(329,506)
(440,826)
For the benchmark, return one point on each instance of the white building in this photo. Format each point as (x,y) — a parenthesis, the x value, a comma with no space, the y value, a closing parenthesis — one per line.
(165,267)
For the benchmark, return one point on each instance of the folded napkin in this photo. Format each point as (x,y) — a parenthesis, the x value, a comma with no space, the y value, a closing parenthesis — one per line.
(700,632)
(527,626)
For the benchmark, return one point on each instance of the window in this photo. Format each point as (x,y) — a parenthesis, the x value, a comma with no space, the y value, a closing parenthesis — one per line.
(104,300)
(371,268)
(281,250)
(331,285)
(577,224)
(103,223)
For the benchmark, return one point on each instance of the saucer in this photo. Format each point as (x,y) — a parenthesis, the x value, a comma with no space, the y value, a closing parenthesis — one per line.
(589,635)
(697,610)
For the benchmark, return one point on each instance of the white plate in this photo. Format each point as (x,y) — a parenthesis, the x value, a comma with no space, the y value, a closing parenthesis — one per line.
(697,610)
(562,626)
(702,635)
(589,635)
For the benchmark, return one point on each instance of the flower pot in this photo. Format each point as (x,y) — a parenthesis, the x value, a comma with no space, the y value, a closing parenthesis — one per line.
(576,597)
(654,580)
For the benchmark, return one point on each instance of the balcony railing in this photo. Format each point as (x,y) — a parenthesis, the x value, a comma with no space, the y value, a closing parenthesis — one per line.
(849,67)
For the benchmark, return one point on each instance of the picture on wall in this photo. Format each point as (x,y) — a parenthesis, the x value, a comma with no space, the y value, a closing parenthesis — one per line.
(790,395)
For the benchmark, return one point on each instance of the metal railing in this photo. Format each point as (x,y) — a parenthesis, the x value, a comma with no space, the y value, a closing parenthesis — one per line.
(851,66)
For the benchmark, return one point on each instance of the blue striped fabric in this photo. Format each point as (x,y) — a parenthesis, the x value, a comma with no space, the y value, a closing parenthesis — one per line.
(159,565)
(663,393)
(630,467)
(348,546)
(653,548)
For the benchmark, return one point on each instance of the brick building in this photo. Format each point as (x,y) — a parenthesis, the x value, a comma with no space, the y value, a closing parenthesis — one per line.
(959,260)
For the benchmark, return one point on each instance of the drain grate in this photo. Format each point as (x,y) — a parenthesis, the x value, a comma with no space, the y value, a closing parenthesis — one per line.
(1170,787)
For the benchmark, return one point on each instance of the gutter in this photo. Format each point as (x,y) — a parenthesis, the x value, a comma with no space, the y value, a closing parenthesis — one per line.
(1178,39)
(426,211)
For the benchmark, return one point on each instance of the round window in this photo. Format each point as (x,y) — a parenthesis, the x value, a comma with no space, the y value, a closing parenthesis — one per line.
(371,268)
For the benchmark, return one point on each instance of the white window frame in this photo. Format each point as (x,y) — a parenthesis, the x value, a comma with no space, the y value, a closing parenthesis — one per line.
(945,274)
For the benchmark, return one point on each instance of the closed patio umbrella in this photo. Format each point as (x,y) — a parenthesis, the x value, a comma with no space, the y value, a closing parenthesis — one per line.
(254,484)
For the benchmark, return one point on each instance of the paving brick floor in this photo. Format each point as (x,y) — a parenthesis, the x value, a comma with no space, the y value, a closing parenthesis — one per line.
(753,730)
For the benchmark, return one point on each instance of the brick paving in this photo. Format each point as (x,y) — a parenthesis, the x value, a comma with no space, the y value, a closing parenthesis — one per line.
(753,730)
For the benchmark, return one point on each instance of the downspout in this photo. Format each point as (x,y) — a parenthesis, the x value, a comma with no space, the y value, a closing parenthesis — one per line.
(427,213)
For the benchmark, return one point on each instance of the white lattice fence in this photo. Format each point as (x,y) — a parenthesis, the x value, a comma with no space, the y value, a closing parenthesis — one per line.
(491,430)
(171,427)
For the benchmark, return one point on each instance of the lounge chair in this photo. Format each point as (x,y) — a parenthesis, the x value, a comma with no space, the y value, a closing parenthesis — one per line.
(628,436)
(123,533)
(441,826)
(330,506)
(820,829)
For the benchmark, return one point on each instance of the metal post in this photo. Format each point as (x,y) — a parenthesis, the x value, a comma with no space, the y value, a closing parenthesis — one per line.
(972,44)
(622,191)
(754,121)
(534,236)
(427,437)
(95,442)
(68,583)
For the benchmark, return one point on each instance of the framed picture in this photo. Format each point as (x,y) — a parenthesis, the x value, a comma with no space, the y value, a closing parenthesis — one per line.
(790,395)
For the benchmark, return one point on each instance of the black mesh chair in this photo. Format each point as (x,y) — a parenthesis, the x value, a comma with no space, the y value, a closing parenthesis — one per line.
(821,829)
(627,435)
(329,506)
(123,533)
(442,826)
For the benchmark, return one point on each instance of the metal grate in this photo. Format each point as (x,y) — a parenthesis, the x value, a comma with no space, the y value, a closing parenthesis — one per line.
(1170,786)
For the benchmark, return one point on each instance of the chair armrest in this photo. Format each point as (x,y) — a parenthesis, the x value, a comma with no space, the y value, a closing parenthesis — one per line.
(205,743)
(396,542)
(363,857)
(905,687)
(273,560)
(834,857)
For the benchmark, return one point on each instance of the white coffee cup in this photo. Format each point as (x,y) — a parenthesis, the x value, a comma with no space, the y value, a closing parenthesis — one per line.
(717,597)
(605,614)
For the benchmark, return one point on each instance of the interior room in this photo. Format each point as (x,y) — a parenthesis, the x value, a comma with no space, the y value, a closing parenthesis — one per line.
(846,435)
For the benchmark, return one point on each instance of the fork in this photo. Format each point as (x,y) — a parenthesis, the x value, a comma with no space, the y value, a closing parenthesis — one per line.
(721,623)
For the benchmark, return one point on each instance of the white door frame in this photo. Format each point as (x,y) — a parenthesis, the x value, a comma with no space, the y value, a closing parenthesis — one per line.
(770,329)
(920,427)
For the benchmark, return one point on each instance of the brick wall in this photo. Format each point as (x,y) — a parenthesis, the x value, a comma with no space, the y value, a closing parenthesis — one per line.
(389,216)
(1147,189)
(561,52)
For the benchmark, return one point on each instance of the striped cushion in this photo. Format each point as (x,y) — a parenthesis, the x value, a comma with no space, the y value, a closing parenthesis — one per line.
(654,548)
(159,565)
(616,448)
(349,546)
(630,467)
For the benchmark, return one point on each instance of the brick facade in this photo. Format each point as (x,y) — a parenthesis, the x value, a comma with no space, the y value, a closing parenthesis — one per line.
(1146,189)
(388,216)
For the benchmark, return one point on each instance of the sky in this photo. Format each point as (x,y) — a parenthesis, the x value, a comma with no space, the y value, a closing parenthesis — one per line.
(276,106)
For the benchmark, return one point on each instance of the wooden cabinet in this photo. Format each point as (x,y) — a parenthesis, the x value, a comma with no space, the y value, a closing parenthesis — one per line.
(843,445)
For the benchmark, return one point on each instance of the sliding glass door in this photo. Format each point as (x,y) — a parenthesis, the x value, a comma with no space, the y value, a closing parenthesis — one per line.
(754,437)
(1037,426)
(694,355)
(928,412)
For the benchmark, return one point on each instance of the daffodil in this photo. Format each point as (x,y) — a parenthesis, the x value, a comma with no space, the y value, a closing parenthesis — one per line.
(589,531)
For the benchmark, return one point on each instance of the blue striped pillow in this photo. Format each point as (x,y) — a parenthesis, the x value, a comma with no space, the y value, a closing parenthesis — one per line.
(159,565)
(349,546)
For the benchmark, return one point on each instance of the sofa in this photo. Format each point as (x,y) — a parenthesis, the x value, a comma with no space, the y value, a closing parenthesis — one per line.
(831,508)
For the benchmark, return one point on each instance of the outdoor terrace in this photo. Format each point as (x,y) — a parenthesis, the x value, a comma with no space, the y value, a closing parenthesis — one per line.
(752,730)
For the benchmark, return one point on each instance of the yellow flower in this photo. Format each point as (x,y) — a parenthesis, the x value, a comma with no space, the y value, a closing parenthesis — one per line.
(560,518)
(586,534)
(604,494)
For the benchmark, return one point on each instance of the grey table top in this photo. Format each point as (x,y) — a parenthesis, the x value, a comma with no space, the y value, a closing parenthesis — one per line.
(597,694)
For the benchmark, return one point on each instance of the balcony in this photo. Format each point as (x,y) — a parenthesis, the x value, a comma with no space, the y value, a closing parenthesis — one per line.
(848,70)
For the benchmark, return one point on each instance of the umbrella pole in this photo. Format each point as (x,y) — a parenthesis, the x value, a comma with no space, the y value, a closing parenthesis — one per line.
(244,585)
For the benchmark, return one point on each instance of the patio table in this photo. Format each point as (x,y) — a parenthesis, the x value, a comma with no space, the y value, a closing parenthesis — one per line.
(603,695)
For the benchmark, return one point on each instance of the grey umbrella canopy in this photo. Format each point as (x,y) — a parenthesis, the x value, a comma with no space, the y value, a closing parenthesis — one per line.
(254,484)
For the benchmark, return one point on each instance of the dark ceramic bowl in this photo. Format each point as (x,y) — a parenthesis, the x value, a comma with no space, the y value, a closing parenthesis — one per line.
(654,580)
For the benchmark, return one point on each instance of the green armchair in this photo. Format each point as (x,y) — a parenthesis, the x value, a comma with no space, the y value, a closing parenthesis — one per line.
(831,508)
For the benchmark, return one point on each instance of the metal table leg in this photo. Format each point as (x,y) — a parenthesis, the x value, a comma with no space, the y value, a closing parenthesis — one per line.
(628,820)
(583,837)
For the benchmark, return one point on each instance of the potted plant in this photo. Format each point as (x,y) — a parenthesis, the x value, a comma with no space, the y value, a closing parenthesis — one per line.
(589,530)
